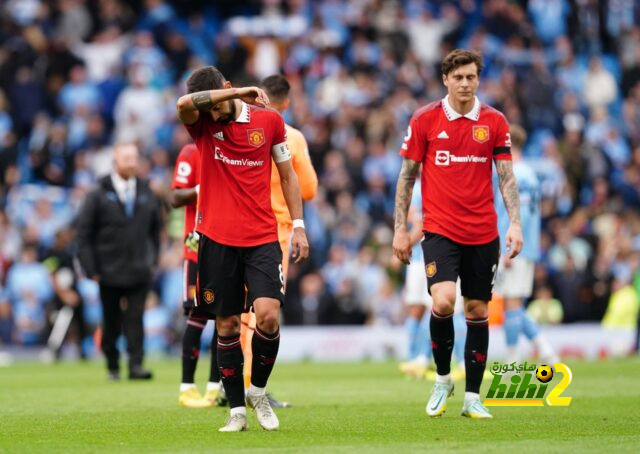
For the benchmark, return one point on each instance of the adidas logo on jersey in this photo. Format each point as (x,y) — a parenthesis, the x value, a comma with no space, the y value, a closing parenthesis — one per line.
(443,135)
(218,135)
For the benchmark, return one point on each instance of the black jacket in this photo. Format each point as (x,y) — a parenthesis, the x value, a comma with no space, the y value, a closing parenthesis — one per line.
(119,249)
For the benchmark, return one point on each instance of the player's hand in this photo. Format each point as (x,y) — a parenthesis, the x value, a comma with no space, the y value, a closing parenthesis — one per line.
(402,245)
(513,240)
(192,241)
(253,95)
(299,245)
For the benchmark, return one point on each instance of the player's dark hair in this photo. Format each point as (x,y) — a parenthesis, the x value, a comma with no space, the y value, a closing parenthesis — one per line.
(206,78)
(461,57)
(276,86)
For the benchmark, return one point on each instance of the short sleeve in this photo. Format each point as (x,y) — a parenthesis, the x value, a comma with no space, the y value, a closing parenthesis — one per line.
(280,133)
(414,146)
(184,173)
(279,147)
(502,141)
(195,129)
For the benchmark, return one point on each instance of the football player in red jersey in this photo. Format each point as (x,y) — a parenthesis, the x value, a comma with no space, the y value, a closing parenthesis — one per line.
(184,193)
(456,139)
(237,136)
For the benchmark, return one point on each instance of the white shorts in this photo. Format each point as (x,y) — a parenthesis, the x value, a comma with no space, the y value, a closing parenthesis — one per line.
(416,290)
(515,281)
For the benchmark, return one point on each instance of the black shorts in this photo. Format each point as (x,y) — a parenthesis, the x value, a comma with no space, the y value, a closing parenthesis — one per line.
(230,278)
(189,278)
(476,264)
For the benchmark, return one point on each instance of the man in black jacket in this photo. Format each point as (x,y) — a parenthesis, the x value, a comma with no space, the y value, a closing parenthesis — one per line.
(118,235)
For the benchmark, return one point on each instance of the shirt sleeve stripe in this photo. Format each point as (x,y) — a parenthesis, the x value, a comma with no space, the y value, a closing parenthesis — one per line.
(501,150)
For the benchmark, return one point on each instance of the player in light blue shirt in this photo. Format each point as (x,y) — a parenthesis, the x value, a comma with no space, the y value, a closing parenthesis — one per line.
(514,279)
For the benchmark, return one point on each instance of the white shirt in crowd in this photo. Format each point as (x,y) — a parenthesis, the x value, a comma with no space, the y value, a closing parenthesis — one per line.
(124,187)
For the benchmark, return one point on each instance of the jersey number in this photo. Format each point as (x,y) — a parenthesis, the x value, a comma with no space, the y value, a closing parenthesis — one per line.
(408,136)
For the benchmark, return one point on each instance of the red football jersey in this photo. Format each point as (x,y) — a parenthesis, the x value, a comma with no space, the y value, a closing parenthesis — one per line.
(234,206)
(456,153)
(186,174)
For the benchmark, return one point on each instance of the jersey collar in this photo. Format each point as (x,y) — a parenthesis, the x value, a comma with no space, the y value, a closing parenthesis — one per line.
(244,116)
(473,114)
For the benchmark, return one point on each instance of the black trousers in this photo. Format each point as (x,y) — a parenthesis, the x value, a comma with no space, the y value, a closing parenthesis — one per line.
(122,310)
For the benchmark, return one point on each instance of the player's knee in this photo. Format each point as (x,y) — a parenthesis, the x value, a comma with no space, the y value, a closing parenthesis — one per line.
(476,309)
(268,321)
(444,298)
(228,326)
(443,307)
(417,311)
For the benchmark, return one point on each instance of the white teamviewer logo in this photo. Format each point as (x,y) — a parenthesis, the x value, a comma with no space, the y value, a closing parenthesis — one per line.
(444,158)
(236,162)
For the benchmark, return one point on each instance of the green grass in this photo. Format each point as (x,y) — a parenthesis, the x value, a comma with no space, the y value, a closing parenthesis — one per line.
(365,407)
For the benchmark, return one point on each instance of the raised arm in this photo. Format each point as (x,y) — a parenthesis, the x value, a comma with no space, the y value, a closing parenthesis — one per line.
(404,190)
(509,190)
(190,105)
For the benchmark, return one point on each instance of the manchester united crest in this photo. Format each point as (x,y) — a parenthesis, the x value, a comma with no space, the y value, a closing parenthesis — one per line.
(481,133)
(256,136)
(208,296)
(431,269)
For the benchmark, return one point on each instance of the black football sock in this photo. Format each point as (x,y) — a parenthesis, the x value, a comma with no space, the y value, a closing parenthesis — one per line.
(230,363)
(191,349)
(441,328)
(214,373)
(475,352)
(265,350)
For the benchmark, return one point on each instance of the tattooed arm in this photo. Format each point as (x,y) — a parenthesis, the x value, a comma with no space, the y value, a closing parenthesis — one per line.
(404,190)
(189,106)
(511,197)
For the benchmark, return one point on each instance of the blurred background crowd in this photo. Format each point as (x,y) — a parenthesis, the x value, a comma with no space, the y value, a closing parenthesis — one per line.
(77,76)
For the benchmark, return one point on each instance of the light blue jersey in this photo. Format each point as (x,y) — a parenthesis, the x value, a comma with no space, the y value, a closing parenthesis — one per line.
(529,188)
(416,204)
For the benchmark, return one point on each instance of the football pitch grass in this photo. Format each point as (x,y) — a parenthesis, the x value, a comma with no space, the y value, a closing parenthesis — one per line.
(353,407)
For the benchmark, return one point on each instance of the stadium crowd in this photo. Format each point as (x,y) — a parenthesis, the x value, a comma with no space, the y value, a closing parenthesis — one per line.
(77,76)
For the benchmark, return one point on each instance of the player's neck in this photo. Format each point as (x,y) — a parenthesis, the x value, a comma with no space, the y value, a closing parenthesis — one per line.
(237,108)
(462,108)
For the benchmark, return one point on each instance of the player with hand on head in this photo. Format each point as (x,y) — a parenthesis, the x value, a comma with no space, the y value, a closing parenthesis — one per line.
(239,257)
(456,140)
(277,89)
(514,281)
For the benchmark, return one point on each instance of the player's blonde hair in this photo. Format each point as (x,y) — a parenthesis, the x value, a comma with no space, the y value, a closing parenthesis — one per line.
(518,136)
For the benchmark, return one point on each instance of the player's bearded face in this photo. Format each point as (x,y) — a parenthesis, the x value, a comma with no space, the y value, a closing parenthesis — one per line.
(462,82)
(224,112)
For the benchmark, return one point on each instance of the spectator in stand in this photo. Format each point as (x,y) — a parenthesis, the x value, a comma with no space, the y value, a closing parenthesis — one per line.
(28,290)
(569,71)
